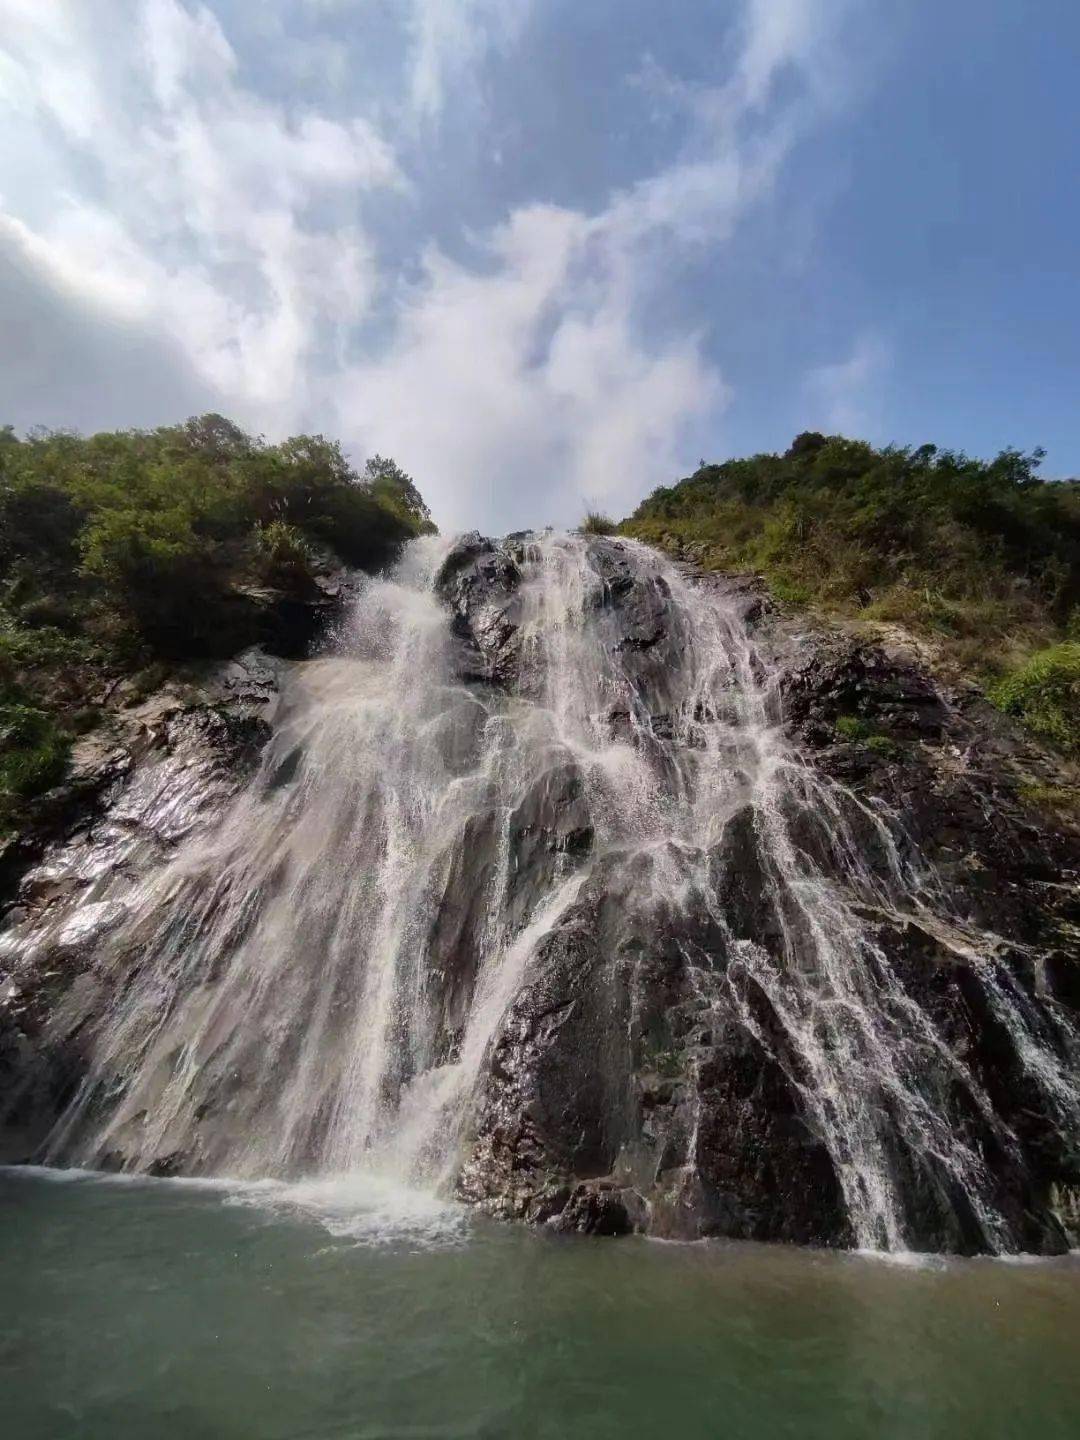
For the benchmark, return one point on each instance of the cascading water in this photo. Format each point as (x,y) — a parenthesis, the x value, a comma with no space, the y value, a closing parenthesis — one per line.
(315,982)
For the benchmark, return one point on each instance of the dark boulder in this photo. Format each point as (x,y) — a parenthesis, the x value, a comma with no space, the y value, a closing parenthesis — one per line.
(479,583)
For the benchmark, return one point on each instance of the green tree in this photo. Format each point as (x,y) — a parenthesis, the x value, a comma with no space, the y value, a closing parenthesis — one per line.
(126,546)
(390,485)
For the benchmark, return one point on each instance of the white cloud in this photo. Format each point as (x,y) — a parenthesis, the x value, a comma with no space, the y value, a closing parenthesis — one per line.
(202,214)
(144,177)
(523,390)
(778,33)
(845,397)
(449,38)
(531,376)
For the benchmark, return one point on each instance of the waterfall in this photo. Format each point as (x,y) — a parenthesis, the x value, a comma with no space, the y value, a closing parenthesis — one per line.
(313,983)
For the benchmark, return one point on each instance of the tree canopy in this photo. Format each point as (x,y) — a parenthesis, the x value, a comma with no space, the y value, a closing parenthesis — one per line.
(125,547)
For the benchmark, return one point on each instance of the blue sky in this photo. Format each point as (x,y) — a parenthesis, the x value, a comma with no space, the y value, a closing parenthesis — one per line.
(546,254)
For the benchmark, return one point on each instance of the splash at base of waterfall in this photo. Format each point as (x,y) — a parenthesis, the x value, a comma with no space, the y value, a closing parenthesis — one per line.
(365,1206)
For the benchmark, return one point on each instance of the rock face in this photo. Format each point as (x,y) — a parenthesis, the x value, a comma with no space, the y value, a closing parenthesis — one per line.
(634,1088)
(792,958)
(138,789)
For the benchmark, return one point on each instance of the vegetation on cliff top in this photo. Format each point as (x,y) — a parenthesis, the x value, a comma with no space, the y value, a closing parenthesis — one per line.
(1045,693)
(981,556)
(124,550)
(597,523)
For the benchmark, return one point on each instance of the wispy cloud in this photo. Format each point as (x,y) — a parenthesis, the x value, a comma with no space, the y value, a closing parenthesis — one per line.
(845,397)
(449,38)
(532,375)
(180,198)
(524,388)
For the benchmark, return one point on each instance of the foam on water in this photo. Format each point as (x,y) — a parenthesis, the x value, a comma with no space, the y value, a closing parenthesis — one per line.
(79,1175)
(365,1207)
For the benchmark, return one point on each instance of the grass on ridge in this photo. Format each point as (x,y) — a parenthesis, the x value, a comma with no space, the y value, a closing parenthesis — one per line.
(980,557)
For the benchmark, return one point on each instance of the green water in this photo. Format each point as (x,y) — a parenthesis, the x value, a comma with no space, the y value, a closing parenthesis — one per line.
(163,1309)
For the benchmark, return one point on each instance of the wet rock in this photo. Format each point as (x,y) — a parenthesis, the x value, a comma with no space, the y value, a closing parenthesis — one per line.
(136,790)
(479,582)
(550,827)
(763,1173)
(455,942)
(594,1208)
(644,1051)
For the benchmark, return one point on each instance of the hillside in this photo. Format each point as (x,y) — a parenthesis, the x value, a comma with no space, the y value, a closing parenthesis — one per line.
(123,554)
(981,558)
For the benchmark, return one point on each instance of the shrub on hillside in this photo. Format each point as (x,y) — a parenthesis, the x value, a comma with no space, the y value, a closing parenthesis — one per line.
(33,754)
(284,556)
(390,485)
(1045,694)
(126,548)
(984,555)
